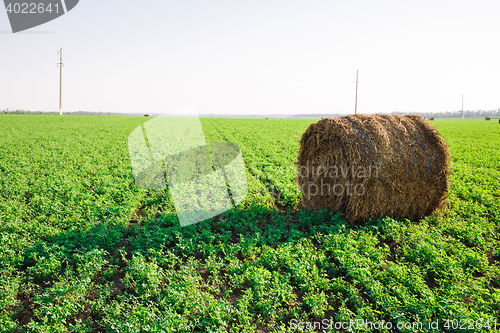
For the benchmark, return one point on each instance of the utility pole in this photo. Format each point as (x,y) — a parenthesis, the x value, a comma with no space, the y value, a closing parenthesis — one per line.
(60,82)
(356,102)
(462,106)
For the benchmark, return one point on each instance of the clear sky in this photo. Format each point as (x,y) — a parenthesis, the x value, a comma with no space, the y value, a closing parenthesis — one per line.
(257,57)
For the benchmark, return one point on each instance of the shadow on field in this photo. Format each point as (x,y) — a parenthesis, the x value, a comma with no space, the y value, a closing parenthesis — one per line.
(252,268)
(240,234)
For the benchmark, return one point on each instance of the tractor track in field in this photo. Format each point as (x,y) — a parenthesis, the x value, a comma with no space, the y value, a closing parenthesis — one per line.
(265,181)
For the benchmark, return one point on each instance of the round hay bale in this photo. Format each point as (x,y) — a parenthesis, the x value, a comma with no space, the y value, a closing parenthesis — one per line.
(366,166)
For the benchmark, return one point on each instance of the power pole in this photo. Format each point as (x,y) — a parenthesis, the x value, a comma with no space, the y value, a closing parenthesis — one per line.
(60,82)
(462,106)
(356,102)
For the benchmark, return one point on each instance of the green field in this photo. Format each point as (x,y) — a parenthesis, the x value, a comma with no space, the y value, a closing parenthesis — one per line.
(83,249)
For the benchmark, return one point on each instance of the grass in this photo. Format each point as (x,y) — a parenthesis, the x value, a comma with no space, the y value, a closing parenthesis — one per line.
(84,250)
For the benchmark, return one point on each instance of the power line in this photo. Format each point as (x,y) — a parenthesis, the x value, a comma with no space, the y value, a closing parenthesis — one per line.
(25,53)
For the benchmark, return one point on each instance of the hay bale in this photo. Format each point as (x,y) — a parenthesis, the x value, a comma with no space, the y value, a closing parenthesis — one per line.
(367,166)
(487,118)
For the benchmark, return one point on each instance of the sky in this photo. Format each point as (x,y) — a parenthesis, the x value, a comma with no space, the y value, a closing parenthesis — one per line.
(257,57)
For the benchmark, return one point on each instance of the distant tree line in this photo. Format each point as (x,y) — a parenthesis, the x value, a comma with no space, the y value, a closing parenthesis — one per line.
(76,113)
(444,114)
(7,111)
(455,114)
